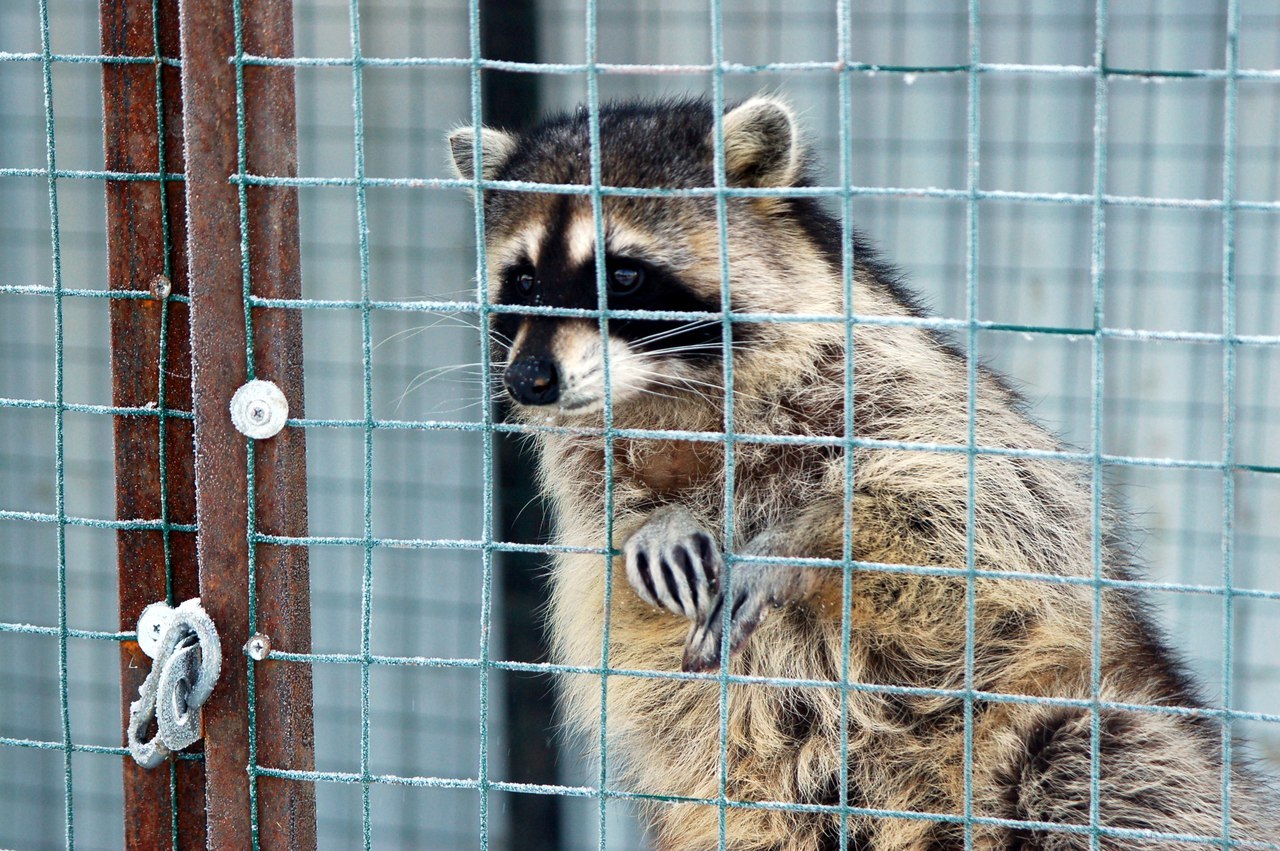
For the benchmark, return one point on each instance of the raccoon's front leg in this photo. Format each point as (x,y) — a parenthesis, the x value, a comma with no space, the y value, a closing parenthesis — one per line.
(674,563)
(759,587)
(755,590)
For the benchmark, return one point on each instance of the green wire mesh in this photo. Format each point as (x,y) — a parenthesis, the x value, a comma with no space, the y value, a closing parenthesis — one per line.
(971,206)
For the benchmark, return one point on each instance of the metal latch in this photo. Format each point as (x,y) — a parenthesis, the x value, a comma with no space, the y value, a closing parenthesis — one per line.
(187,658)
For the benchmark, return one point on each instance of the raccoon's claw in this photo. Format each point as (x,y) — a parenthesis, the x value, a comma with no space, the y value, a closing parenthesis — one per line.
(673,563)
(751,603)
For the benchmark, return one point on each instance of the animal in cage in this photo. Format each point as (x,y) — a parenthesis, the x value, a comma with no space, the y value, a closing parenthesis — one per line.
(971,569)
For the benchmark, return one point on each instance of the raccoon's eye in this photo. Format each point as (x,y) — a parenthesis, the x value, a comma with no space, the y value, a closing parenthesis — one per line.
(625,280)
(524,280)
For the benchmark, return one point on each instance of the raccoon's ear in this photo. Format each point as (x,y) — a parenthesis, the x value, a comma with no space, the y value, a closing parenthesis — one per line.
(761,145)
(497,146)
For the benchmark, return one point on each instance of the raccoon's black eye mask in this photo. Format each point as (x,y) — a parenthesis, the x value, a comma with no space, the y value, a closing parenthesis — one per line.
(631,284)
(624,278)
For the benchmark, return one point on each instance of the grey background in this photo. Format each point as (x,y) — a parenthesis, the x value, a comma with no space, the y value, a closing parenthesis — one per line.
(1163,271)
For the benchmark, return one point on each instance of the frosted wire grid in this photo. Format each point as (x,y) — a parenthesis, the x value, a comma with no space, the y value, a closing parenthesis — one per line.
(973,196)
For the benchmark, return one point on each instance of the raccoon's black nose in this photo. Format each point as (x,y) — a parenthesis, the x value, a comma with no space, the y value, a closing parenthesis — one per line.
(533,381)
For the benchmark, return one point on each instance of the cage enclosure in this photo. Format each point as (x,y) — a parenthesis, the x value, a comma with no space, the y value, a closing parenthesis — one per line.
(1086,194)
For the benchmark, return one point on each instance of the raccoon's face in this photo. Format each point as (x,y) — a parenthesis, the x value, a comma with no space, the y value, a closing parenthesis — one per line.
(561,361)
(659,253)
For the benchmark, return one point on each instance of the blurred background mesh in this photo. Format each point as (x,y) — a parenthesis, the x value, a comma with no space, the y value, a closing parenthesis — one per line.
(1162,399)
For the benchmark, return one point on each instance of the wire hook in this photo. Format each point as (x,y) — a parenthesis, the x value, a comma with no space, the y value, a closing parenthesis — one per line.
(187,654)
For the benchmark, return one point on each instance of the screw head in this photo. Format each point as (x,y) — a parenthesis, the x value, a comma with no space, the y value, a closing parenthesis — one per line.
(161,287)
(152,623)
(259,409)
(258,647)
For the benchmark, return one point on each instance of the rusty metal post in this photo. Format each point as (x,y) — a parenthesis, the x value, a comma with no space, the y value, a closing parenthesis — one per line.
(269,725)
(151,365)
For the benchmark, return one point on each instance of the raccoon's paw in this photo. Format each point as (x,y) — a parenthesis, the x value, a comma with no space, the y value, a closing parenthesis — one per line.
(757,589)
(672,562)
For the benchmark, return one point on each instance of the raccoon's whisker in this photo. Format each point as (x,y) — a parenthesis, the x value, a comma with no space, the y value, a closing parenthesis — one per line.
(666,332)
(637,380)
(643,388)
(692,347)
(453,367)
(649,373)
(427,375)
(466,401)
(472,404)
(671,332)
(435,296)
(406,333)
(651,392)
(693,385)
(676,332)
(500,337)
(497,393)
(667,379)
(473,377)
(718,387)
(660,380)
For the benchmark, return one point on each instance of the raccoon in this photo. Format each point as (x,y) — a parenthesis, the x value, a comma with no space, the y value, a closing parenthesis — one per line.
(889,606)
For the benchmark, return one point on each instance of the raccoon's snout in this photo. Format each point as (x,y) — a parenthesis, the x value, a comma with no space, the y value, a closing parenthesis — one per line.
(533,381)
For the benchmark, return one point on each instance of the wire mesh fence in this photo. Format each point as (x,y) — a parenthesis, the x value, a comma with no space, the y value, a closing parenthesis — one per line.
(1088,197)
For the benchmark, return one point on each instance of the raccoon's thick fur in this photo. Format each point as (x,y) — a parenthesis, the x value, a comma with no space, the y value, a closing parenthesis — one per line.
(1031,763)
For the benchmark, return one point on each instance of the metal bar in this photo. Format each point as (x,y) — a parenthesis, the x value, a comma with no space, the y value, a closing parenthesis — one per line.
(150,355)
(59,411)
(243,239)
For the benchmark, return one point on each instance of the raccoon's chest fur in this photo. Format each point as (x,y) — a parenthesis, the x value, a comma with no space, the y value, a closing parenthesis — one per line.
(668,468)
(769,479)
